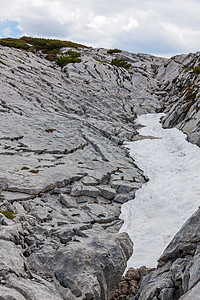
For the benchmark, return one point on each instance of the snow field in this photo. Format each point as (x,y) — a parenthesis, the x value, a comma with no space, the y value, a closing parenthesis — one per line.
(170,196)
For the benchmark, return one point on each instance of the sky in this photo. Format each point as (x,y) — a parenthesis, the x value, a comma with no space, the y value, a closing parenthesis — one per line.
(158,27)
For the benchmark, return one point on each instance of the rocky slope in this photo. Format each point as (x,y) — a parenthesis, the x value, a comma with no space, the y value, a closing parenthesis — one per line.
(178,273)
(180,80)
(64,171)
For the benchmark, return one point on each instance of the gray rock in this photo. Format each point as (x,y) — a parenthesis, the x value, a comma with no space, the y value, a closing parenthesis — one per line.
(10,294)
(107,192)
(67,201)
(87,266)
(182,109)
(192,294)
(81,190)
(61,171)
(122,198)
(185,241)
(124,187)
(178,273)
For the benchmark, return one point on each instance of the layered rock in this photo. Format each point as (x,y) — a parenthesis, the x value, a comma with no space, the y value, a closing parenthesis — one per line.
(64,171)
(178,273)
(179,82)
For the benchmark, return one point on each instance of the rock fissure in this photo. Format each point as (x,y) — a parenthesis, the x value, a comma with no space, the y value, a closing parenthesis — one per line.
(65,172)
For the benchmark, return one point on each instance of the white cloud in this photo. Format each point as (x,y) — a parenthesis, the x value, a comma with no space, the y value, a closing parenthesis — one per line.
(132,24)
(153,26)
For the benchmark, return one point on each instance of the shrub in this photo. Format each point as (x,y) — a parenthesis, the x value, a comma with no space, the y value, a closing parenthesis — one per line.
(120,63)
(51,56)
(196,70)
(46,45)
(111,51)
(15,43)
(73,54)
(49,44)
(72,57)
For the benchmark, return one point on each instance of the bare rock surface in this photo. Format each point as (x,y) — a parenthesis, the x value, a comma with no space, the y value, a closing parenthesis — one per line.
(180,82)
(64,172)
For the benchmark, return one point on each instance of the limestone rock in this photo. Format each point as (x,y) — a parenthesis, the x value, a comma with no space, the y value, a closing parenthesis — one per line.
(65,172)
(107,192)
(178,273)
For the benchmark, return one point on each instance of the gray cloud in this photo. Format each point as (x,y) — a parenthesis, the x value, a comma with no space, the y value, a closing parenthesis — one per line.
(151,26)
(45,28)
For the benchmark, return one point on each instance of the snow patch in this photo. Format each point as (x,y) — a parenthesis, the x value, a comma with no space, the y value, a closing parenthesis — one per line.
(170,196)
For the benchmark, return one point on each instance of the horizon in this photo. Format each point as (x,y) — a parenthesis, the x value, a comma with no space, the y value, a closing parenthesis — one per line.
(153,27)
(168,56)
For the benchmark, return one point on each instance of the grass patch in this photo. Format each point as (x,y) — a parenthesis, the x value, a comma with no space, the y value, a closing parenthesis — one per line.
(50,47)
(120,63)
(30,43)
(196,70)
(111,51)
(73,54)
(69,57)
(8,214)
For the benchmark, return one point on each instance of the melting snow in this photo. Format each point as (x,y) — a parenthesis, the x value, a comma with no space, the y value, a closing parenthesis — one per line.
(170,196)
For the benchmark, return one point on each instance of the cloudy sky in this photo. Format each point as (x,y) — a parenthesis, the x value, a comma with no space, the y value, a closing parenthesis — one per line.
(160,27)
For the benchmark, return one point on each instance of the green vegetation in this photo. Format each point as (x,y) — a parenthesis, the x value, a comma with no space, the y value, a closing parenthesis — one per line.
(15,43)
(8,214)
(50,47)
(70,57)
(73,54)
(29,43)
(102,61)
(120,63)
(196,70)
(187,68)
(64,60)
(111,51)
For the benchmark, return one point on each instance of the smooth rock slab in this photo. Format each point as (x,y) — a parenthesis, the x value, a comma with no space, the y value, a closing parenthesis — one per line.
(10,294)
(81,190)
